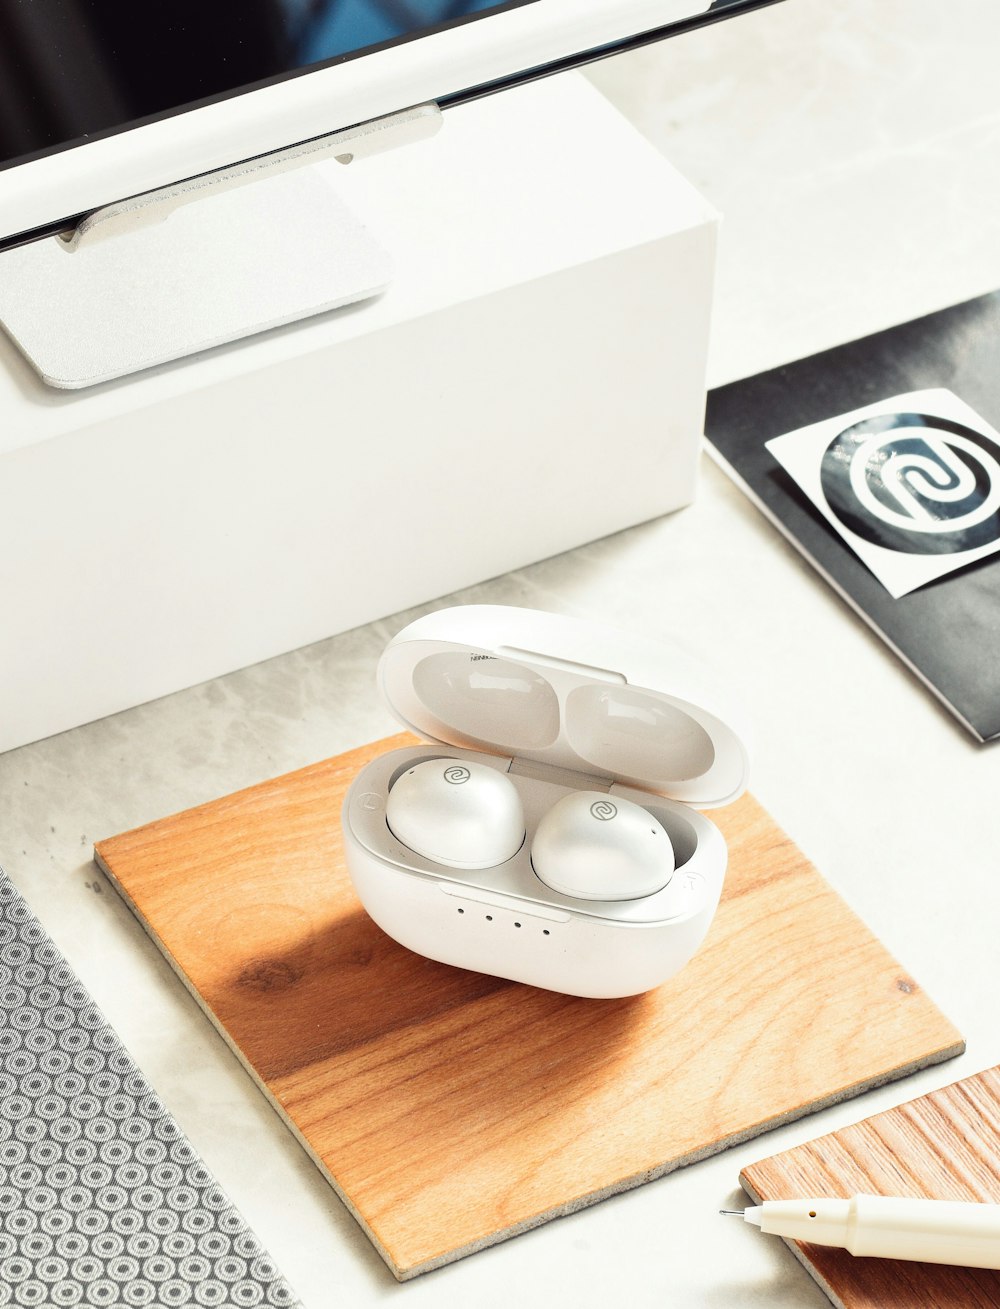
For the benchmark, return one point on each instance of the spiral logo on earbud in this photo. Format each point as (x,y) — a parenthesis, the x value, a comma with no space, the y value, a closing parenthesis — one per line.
(456,774)
(603,810)
(917,483)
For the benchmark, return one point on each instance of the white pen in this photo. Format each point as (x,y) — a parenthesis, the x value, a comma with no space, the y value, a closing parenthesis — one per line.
(931,1231)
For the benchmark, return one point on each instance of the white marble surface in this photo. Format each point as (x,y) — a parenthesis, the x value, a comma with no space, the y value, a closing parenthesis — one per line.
(853,149)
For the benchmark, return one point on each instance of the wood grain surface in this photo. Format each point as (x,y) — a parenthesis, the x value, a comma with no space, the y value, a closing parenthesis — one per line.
(944,1146)
(451,1110)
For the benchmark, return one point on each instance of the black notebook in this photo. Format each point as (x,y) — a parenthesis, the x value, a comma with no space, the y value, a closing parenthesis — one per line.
(896,462)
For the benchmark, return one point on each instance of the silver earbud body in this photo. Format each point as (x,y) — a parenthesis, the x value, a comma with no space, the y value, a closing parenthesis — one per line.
(595,847)
(459,813)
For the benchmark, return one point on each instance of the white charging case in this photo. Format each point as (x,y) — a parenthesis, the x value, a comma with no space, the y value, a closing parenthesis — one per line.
(558,705)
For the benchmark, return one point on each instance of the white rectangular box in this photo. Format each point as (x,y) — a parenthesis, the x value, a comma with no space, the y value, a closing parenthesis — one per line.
(532,379)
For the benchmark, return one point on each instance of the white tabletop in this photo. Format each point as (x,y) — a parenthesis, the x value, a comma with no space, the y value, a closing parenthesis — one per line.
(854,150)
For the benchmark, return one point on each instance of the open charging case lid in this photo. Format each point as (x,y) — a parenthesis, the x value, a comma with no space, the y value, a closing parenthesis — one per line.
(569,695)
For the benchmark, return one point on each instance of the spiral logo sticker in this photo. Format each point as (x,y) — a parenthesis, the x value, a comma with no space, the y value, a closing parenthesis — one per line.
(603,810)
(911,485)
(914,482)
(456,774)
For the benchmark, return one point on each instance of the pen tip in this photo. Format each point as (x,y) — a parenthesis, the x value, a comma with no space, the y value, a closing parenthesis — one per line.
(732,1213)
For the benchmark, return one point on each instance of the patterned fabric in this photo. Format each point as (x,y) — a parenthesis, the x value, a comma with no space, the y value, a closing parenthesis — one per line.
(103,1202)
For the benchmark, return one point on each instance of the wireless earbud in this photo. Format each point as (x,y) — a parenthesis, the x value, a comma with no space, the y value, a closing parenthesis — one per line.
(595,847)
(460,814)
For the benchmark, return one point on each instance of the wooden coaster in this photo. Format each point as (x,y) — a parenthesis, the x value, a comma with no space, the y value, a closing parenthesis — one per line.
(451,1110)
(944,1146)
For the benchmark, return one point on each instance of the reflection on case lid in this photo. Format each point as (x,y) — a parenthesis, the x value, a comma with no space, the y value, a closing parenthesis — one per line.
(568,693)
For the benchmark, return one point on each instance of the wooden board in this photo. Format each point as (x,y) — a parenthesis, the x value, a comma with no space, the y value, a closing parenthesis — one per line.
(945,1146)
(451,1110)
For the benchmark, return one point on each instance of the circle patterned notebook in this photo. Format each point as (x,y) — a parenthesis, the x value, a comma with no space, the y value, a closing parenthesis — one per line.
(103,1201)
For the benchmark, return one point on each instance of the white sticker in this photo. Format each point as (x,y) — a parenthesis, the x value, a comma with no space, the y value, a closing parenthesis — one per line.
(911,484)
